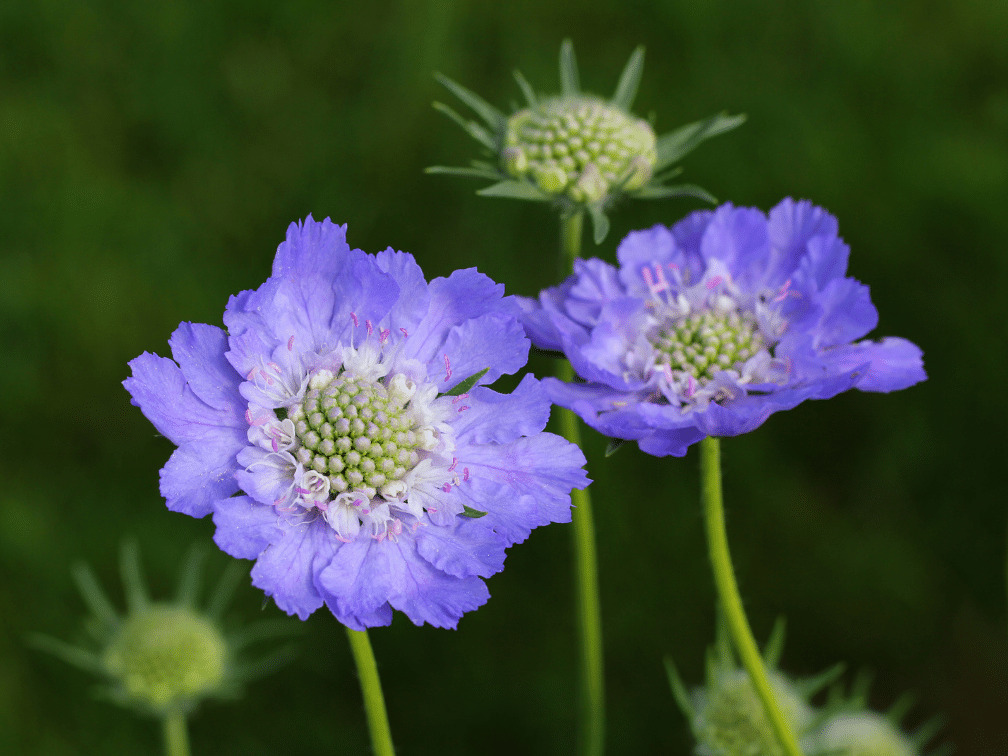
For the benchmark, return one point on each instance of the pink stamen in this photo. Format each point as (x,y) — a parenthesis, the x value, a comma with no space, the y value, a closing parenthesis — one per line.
(405,335)
(465,473)
(446,488)
(383,335)
(353,317)
(463,408)
(714,283)
(370,328)
(290,343)
(690,388)
(302,491)
(460,397)
(655,281)
(454,462)
(785,292)
(275,445)
(448,370)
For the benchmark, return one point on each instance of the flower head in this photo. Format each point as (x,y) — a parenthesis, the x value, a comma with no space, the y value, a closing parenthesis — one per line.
(709,327)
(727,716)
(578,150)
(341,434)
(164,657)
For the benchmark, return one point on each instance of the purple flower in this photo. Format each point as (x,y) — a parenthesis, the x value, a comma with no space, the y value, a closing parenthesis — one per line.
(327,432)
(708,328)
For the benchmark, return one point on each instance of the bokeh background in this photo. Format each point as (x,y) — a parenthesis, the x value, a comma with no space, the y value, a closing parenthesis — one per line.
(151,157)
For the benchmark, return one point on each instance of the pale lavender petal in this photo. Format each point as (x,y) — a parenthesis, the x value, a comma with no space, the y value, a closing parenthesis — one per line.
(286,569)
(202,471)
(245,527)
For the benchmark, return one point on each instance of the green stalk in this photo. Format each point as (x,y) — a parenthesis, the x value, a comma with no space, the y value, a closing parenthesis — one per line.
(176,736)
(728,593)
(374,701)
(592,694)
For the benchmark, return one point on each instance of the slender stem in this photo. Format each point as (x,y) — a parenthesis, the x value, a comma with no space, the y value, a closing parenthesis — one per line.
(176,736)
(728,593)
(374,701)
(570,240)
(592,695)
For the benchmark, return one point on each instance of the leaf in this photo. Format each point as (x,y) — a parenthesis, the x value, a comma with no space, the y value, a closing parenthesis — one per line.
(466,384)
(481,173)
(676,190)
(526,88)
(569,84)
(626,89)
(514,190)
(678,689)
(473,129)
(774,647)
(674,145)
(600,223)
(614,445)
(470,512)
(494,118)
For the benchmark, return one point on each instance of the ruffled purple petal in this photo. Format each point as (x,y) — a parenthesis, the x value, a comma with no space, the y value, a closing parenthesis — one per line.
(244,527)
(847,313)
(414,301)
(791,226)
(469,548)
(365,575)
(595,284)
(891,364)
(494,341)
(539,471)
(737,237)
(159,388)
(463,295)
(491,417)
(199,350)
(202,471)
(286,569)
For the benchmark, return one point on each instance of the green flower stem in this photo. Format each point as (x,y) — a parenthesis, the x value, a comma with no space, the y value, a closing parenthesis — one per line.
(374,701)
(176,736)
(728,593)
(592,701)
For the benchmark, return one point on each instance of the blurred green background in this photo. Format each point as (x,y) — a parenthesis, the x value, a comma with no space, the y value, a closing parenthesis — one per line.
(151,157)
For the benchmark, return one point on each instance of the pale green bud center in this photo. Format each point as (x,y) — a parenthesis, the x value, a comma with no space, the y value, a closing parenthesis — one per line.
(581,147)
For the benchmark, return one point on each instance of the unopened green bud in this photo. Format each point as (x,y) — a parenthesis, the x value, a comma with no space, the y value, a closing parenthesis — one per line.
(167,655)
(730,717)
(864,733)
(579,146)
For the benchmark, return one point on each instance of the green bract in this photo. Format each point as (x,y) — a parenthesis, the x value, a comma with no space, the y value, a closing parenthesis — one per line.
(164,658)
(727,717)
(579,151)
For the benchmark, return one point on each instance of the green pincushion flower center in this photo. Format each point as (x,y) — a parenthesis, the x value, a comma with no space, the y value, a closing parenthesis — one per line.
(705,342)
(733,720)
(579,146)
(356,433)
(864,734)
(166,655)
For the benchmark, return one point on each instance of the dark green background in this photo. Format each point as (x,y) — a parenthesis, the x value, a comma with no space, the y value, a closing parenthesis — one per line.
(151,157)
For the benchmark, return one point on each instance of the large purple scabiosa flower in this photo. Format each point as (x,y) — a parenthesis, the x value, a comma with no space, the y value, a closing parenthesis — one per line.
(709,327)
(340,435)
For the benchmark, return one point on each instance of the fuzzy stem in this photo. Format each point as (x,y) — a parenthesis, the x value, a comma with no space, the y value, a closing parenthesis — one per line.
(728,593)
(374,701)
(592,694)
(176,736)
